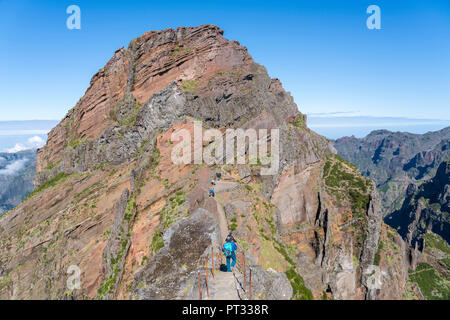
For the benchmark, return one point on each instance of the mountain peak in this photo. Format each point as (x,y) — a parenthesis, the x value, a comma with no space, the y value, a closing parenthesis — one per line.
(190,55)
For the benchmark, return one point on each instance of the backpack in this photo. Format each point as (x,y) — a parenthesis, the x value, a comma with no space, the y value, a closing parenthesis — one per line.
(228,249)
(223,267)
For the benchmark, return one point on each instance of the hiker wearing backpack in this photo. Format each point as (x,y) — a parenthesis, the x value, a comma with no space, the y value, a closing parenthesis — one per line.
(229,249)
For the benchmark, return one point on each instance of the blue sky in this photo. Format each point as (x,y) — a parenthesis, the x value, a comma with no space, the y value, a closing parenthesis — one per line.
(322,51)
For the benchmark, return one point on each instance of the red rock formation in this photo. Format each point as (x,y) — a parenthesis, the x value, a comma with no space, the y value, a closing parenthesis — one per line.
(150,63)
(118,207)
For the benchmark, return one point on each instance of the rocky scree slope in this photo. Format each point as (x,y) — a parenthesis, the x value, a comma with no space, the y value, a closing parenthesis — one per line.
(109,200)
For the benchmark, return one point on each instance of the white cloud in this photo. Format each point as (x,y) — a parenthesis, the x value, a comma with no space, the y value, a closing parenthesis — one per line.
(32,143)
(14,167)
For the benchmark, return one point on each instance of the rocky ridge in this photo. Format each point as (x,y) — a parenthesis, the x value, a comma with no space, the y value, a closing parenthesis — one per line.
(109,200)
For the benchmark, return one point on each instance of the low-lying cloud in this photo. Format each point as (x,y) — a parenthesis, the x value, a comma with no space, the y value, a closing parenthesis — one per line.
(32,143)
(14,167)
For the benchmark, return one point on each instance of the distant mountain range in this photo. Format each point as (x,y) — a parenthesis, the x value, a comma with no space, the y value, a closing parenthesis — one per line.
(412,174)
(426,207)
(404,166)
(334,126)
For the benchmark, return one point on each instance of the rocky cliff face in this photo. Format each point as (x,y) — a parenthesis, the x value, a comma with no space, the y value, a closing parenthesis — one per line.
(110,200)
(396,159)
(411,172)
(426,208)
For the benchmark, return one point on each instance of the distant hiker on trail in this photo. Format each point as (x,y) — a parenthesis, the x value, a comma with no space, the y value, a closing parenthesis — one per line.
(213,182)
(229,249)
(218,175)
(211,193)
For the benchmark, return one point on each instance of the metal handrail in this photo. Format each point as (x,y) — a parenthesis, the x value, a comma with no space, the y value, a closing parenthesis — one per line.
(216,259)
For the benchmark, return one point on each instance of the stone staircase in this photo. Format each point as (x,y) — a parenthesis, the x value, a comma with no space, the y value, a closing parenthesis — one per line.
(223,287)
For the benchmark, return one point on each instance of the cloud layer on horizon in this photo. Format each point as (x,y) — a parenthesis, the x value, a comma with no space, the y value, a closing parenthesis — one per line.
(334,127)
(32,143)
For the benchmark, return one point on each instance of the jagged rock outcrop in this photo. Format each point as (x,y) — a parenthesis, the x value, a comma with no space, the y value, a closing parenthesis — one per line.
(333,215)
(171,274)
(118,244)
(375,218)
(150,64)
(269,286)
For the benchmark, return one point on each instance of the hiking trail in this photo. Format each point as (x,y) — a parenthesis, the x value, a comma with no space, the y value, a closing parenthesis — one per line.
(224,285)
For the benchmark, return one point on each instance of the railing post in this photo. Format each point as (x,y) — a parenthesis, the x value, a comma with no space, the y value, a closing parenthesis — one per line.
(245,274)
(206,276)
(212,261)
(199,287)
(250,284)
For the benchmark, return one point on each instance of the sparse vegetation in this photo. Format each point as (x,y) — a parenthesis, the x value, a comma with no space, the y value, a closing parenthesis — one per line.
(434,241)
(432,285)
(300,121)
(172,211)
(342,179)
(52,165)
(109,284)
(300,291)
(190,86)
(6,281)
(73,144)
(130,118)
(233,225)
(177,51)
(49,183)
(157,242)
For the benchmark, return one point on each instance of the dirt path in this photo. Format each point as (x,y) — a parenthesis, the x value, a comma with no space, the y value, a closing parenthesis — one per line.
(225,186)
(223,224)
(224,285)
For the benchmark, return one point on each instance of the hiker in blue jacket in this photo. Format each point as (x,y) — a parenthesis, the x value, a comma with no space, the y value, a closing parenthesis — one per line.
(229,249)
